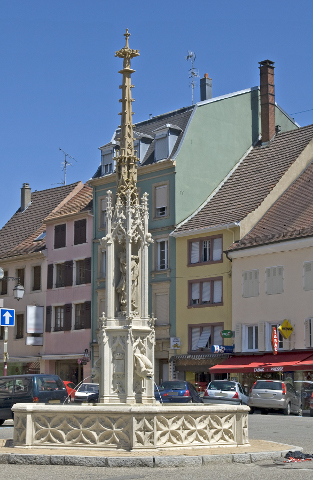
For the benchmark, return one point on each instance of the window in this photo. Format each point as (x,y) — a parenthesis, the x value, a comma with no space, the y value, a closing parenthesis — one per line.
(19,325)
(60,236)
(202,337)
(250,338)
(37,277)
(308,332)
(162,254)
(4,284)
(250,283)
(103,209)
(308,276)
(80,272)
(80,231)
(205,292)
(20,273)
(58,319)
(165,139)
(107,159)
(274,280)
(162,308)
(161,201)
(205,250)
(60,273)
(79,316)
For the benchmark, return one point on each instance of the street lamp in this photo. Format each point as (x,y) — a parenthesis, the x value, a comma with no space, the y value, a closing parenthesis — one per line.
(18,291)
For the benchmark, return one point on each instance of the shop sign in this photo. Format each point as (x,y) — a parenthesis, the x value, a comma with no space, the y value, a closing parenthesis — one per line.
(222,349)
(226,333)
(274,340)
(286,329)
(175,342)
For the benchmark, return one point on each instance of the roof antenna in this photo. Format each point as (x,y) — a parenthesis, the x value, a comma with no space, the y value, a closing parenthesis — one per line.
(193,72)
(66,163)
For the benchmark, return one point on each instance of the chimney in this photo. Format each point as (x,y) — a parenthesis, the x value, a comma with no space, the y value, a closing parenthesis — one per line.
(25,196)
(205,88)
(267,92)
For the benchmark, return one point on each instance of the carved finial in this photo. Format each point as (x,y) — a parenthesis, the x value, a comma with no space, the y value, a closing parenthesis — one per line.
(126,35)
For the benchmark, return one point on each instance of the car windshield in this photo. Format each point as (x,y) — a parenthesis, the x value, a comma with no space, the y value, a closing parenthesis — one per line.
(225,386)
(89,387)
(268,385)
(173,386)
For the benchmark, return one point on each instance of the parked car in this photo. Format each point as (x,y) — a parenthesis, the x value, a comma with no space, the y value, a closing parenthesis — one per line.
(71,390)
(29,388)
(87,393)
(311,405)
(275,395)
(225,392)
(177,391)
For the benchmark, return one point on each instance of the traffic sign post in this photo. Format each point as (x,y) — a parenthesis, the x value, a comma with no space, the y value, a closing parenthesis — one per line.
(7,319)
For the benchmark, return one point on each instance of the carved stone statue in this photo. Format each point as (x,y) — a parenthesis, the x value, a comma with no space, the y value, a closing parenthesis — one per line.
(135,276)
(121,288)
(143,366)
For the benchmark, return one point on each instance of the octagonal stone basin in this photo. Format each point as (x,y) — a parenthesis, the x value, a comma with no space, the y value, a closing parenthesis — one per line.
(130,427)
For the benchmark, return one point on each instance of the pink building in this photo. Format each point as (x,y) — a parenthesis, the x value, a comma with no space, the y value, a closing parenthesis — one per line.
(68,302)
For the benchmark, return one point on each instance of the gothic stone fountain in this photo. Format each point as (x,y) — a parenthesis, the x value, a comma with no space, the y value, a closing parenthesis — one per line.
(127,415)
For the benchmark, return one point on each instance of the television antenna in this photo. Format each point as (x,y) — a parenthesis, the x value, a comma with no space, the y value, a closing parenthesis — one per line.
(66,163)
(193,72)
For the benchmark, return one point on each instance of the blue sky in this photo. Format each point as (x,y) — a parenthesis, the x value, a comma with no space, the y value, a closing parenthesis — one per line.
(59,76)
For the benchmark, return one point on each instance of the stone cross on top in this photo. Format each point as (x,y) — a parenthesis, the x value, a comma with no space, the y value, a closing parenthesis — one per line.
(126,161)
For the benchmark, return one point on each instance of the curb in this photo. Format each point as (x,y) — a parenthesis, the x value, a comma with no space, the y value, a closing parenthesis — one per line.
(151,462)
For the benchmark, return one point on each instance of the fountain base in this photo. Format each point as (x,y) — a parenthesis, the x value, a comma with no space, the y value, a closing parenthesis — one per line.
(130,427)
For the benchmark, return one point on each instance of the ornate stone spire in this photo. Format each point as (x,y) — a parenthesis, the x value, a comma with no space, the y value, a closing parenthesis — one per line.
(126,162)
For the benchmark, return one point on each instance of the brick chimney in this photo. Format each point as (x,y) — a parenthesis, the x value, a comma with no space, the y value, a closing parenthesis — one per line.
(267,92)
(25,196)
(205,88)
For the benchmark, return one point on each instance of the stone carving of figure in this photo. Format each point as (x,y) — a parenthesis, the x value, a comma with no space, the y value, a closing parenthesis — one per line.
(134,275)
(143,366)
(121,288)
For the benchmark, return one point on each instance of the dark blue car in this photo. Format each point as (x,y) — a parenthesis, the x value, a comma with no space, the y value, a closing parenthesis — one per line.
(177,391)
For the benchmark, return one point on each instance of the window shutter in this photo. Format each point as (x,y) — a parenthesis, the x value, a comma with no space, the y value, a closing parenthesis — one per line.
(80,231)
(268,277)
(261,336)
(308,275)
(162,308)
(279,288)
(88,270)
(67,317)
(195,292)
(161,148)
(307,332)
(217,291)
(255,292)
(195,336)
(206,292)
(87,315)
(238,337)
(48,319)
(50,276)
(217,249)
(60,236)
(204,337)
(194,252)
(245,285)
(161,196)
(68,273)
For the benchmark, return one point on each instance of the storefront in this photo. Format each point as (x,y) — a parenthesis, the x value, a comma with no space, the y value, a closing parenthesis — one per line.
(296,366)
(21,366)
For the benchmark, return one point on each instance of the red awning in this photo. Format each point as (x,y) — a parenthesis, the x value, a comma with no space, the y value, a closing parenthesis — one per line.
(282,362)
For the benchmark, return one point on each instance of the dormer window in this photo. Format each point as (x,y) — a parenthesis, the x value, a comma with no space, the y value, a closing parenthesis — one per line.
(108,154)
(165,139)
(141,145)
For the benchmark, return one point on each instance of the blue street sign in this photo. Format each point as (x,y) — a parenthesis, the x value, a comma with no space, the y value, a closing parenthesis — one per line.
(7,317)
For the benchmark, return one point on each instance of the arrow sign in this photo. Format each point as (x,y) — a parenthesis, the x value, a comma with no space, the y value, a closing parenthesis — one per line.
(7,317)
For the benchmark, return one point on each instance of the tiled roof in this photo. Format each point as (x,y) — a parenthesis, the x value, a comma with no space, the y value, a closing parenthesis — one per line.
(177,118)
(289,218)
(81,202)
(18,234)
(250,182)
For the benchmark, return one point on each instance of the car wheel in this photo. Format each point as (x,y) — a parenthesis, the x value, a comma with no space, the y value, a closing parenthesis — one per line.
(252,410)
(264,411)
(311,412)
(287,410)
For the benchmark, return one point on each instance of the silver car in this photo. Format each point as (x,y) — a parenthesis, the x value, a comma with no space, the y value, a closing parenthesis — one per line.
(225,391)
(274,395)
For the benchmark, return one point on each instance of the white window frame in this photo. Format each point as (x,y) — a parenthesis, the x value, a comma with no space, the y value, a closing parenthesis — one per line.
(268,336)
(154,202)
(54,317)
(245,337)
(158,259)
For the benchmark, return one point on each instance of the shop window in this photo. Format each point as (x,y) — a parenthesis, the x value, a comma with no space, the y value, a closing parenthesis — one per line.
(206,250)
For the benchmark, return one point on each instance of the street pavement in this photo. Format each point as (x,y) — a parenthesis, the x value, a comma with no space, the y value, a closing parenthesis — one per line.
(290,430)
